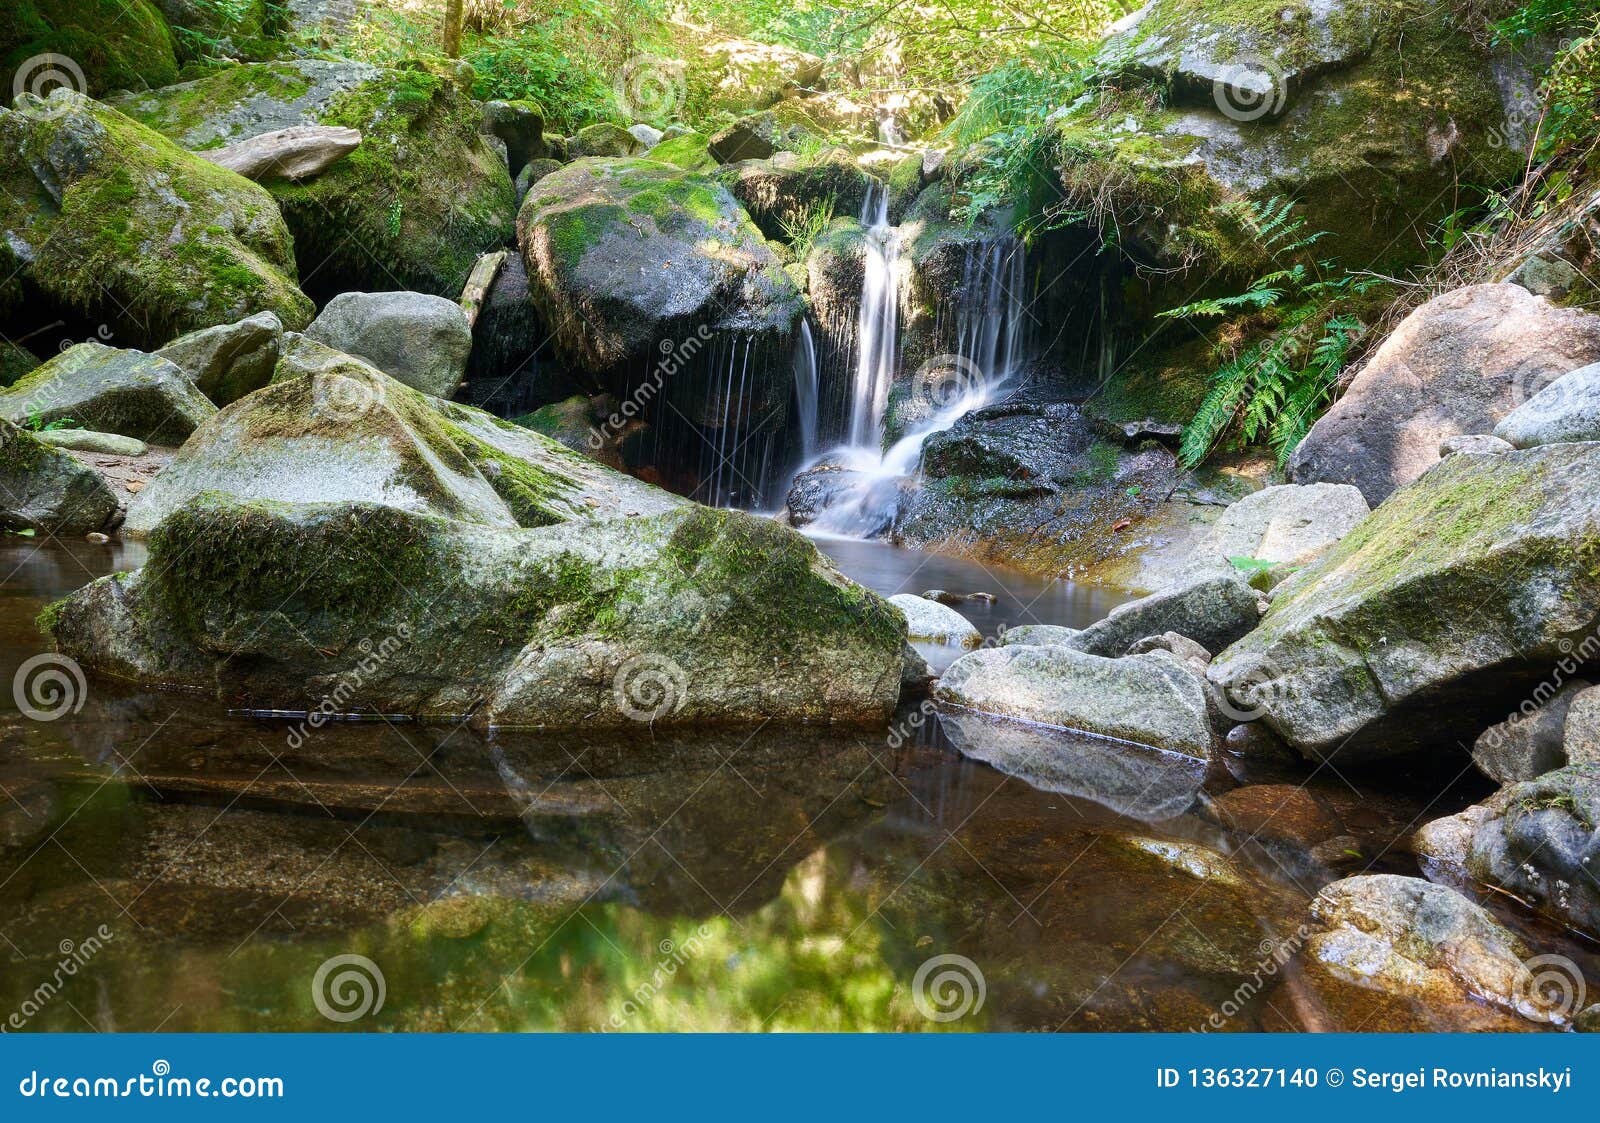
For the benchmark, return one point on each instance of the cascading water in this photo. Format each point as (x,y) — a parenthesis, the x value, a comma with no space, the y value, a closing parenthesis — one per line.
(988,338)
(876,327)
(805,390)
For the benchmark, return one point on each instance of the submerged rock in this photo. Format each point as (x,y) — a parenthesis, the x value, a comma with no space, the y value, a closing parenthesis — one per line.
(1148,699)
(1458,364)
(1407,937)
(44,488)
(929,620)
(1568,409)
(228,361)
(1131,780)
(124,392)
(418,339)
(106,218)
(1436,616)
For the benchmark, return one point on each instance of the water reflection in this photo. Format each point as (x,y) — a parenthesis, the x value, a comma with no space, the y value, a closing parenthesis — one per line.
(775,878)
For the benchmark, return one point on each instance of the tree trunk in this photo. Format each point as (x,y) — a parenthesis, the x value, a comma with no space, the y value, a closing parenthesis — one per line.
(452,28)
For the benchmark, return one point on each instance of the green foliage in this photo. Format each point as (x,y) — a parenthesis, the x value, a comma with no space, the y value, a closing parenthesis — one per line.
(803,229)
(1273,389)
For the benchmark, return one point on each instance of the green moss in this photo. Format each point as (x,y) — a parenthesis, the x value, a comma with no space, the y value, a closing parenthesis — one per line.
(687,152)
(118,44)
(15,363)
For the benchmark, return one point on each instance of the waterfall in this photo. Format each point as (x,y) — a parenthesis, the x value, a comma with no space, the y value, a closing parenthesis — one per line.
(876,328)
(987,334)
(805,390)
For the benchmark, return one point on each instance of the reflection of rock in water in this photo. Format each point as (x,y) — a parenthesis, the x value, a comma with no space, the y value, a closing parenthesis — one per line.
(1135,782)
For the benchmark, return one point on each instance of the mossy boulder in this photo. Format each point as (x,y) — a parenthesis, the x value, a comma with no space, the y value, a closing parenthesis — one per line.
(621,253)
(732,75)
(48,489)
(783,197)
(114,44)
(411,208)
(338,430)
(1328,103)
(228,361)
(115,391)
(1435,616)
(15,362)
(108,220)
(688,151)
(451,563)
(603,139)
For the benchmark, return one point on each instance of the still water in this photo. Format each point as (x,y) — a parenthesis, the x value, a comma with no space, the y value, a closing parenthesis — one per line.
(166,866)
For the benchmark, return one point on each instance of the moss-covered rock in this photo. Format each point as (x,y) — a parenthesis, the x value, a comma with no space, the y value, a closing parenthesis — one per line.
(15,362)
(1436,615)
(338,430)
(412,586)
(228,361)
(1536,840)
(603,138)
(108,219)
(115,391)
(1325,103)
(114,44)
(44,488)
(784,197)
(411,208)
(731,75)
(688,151)
(620,252)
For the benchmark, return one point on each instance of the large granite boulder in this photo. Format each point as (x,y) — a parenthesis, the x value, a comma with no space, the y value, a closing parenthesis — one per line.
(45,488)
(228,361)
(1417,940)
(1148,699)
(731,74)
(1436,616)
(510,586)
(1286,526)
(419,339)
(620,252)
(1458,364)
(115,391)
(104,218)
(1568,409)
(340,431)
(1538,841)
(411,207)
